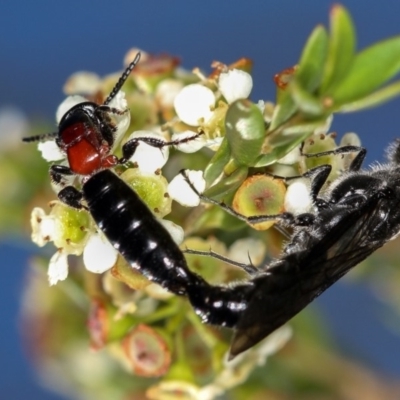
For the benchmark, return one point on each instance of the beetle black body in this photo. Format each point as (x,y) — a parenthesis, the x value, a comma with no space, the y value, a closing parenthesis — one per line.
(133,230)
(86,136)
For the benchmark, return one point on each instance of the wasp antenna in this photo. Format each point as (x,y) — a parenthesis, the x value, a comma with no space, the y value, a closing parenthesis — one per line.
(122,79)
(39,138)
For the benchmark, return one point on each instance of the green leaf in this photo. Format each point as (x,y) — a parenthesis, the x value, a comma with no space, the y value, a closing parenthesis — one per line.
(307,78)
(279,143)
(341,47)
(216,218)
(312,61)
(377,98)
(228,184)
(284,110)
(305,101)
(370,69)
(245,131)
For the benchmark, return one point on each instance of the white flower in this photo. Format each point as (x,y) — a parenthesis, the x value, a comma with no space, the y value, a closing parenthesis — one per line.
(174,389)
(348,139)
(122,121)
(193,104)
(180,191)
(43,227)
(261,105)
(214,143)
(149,158)
(58,267)
(166,91)
(46,228)
(325,127)
(99,255)
(298,199)
(247,250)
(235,84)
(174,230)
(67,104)
(50,151)
(82,82)
(292,157)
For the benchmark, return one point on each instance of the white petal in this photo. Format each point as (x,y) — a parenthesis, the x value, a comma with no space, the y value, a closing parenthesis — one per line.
(292,157)
(193,104)
(246,250)
(261,106)
(166,92)
(43,227)
(190,146)
(82,82)
(119,101)
(149,158)
(99,255)
(58,267)
(67,104)
(215,143)
(50,151)
(235,84)
(350,139)
(174,230)
(325,127)
(180,191)
(155,291)
(122,121)
(297,198)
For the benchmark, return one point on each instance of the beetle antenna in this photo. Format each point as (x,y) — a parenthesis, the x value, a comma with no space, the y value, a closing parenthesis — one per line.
(122,80)
(40,138)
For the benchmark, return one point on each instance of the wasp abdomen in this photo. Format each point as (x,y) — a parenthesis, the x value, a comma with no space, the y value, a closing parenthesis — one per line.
(220,305)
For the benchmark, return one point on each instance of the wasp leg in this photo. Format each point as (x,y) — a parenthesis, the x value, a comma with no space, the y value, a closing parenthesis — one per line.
(355,164)
(249,268)
(286,219)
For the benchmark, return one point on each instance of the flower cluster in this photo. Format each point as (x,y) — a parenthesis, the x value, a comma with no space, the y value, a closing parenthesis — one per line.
(226,127)
(252,156)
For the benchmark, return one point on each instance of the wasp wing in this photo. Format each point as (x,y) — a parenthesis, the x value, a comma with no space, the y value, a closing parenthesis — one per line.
(296,279)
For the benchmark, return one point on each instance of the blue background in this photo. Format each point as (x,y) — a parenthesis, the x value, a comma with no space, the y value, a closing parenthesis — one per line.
(43,42)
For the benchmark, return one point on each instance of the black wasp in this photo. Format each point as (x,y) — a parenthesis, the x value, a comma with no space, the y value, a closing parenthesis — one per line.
(359,213)
(86,135)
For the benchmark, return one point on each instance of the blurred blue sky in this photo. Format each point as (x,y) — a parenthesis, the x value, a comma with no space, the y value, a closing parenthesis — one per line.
(43,42)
